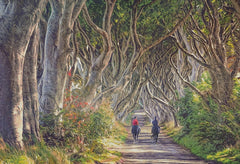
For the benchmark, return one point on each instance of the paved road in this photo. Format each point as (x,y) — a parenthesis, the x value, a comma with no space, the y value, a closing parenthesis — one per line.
(147,152)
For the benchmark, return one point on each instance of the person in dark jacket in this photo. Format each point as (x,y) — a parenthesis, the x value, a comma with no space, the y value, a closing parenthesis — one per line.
(155,129)
(155,122)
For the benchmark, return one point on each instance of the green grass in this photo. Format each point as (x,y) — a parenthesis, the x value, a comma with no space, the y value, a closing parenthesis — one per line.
(41,154)
(227,156)
(33,154)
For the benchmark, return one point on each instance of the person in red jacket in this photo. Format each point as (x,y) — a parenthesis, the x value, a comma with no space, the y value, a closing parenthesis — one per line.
(135,121)
(135,129)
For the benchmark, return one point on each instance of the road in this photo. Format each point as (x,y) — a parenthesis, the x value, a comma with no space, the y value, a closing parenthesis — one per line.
(146,152)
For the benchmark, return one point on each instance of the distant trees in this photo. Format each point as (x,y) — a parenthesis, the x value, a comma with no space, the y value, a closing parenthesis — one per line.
(131,76)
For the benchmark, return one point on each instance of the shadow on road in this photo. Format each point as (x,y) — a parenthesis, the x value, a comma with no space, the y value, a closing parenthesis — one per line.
(146,152)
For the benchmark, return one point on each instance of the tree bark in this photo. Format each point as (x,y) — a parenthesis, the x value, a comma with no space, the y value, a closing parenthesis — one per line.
(30,93)
(17,23)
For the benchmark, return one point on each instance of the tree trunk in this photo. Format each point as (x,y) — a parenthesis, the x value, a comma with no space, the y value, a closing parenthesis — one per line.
(18,20)
(222,84)
(216,51)
(57,49)
(11,104)
(30,94)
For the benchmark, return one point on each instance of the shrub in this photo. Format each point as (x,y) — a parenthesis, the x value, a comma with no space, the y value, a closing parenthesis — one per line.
(207,130)
(78,131)
(218,135)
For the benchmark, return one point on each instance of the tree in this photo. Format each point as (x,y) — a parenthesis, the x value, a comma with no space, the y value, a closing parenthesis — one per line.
(100,56)
(141,47)
(57,49)
(17,23)
(215,38)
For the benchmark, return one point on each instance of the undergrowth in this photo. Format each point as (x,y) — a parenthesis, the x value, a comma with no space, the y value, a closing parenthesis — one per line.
(72,136)
(211,132)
